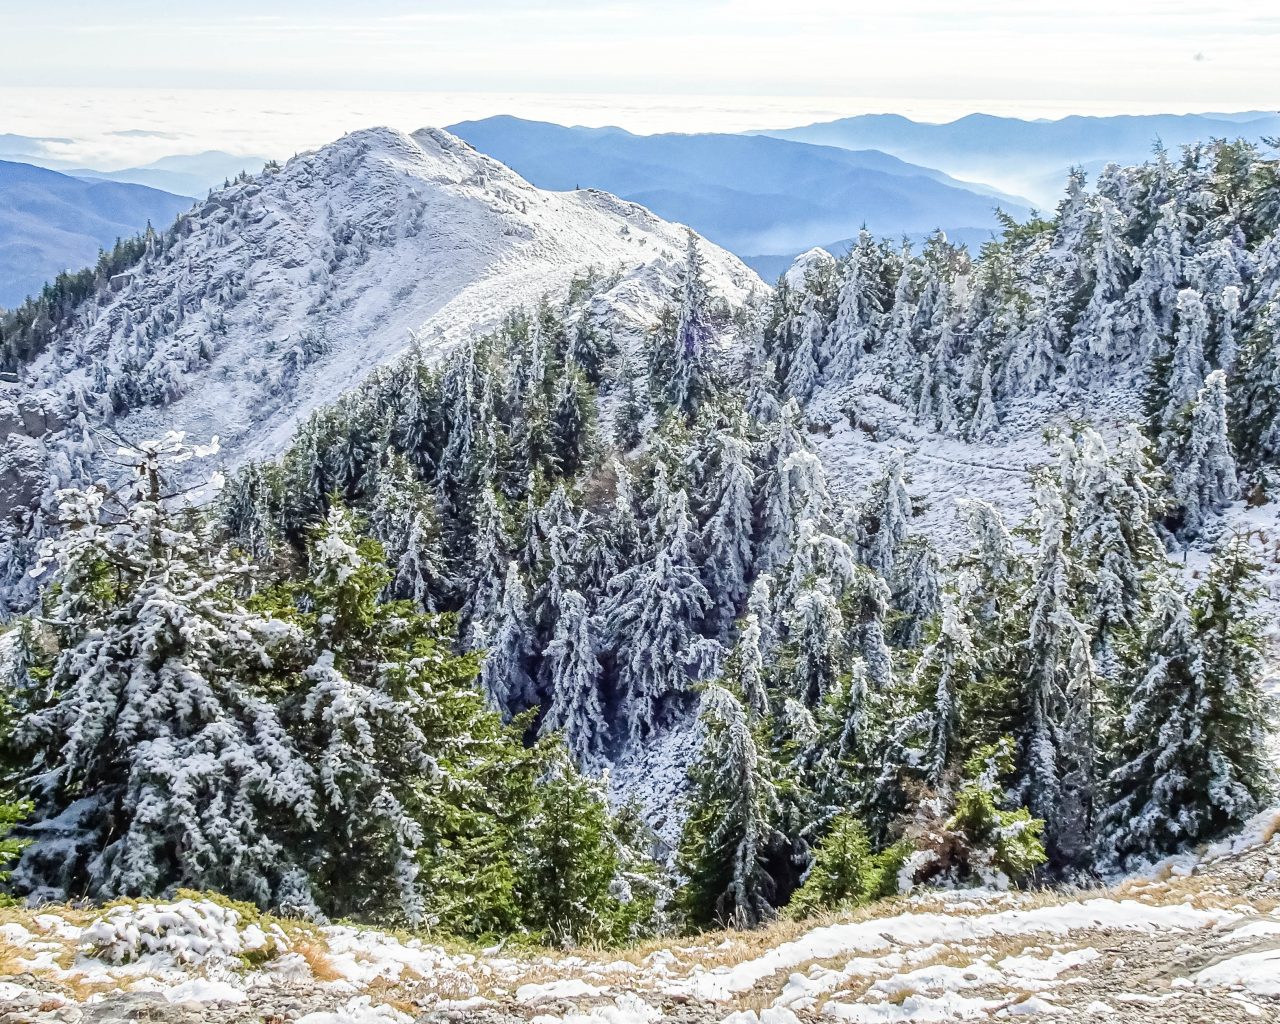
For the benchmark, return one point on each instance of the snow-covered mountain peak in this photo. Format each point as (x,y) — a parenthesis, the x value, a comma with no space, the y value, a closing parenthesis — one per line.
(281,292)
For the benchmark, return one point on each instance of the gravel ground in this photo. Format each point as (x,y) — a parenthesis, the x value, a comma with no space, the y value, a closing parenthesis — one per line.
(1135,976)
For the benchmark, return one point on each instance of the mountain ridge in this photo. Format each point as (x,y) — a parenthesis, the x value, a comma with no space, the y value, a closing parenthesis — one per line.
(988,145)
(750,195)
(267,283)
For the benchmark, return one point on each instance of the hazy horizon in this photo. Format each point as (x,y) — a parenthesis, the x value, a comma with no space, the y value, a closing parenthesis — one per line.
(119,127)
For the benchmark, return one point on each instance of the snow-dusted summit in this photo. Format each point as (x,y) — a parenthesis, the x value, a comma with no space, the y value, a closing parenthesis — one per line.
(284,291)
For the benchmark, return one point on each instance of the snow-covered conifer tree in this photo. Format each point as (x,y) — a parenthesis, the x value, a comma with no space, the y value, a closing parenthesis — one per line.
(572,421)
(692,367)
(817,632)
(731,829)
(887,517)
(1115,538)
(1057,734)
(403,517)
(748,668)
(156,765)
(783,497)
(1187,370)
(652,622)
(859,311)
(727,538)
(575,706)
(916,590)
(492,553)
(947,668)
(985,420)
(1191,761)
(506,636)
(1203,469)
(802,368)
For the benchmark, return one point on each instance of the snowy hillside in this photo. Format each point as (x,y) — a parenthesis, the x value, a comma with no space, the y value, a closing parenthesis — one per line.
(284,291)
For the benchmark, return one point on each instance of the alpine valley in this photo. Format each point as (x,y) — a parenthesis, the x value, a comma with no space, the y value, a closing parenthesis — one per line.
(413,574)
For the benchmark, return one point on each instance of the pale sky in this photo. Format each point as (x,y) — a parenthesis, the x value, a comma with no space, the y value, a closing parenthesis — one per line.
(1186,55)
(126,81)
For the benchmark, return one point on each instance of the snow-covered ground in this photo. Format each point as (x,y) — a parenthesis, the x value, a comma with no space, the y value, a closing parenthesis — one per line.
(1192,940)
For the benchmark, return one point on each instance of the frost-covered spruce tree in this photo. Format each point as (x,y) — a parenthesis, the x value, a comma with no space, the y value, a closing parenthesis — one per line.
(573,421)
(652,620)
(506,637)
(247,506)
(803,372)
(746,668)
(916,590)
(730,832)
(760,603)
(1255,390)
(1156,793)
(557,526)
(1057,732)
(691,371)
(575,707)
(158,764)
(948,668)
(898,356)
(629,413)
(985,420)
(728,536)
(1104,324)
(1237,715)
(615,543)
(817,631)
(404,519)
(1192,762)
(783,498)
(868,600)
(887,517)
(365,671)
(1115,538)
(859,310)
(492,553)
(1187,367)
(1203,468)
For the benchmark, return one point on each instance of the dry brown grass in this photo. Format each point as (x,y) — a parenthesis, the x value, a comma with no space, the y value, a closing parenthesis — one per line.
(12,959)
(316,954)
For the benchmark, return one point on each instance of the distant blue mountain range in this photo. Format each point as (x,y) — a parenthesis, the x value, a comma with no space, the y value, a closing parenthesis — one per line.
(50,222)
(756,196)
(184,174)
(1031,158)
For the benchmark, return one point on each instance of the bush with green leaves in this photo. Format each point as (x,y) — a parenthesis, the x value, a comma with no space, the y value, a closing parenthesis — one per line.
(980,842)
(846,871)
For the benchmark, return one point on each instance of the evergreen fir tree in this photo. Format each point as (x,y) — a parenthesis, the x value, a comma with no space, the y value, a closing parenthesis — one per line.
(508,644)
(178,772)
(730,833)
(1203,470)
(727,538)
(575,707)
(691,381)
(651,622)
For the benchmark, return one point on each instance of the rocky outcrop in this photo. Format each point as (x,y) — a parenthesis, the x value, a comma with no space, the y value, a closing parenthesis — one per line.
(25,420)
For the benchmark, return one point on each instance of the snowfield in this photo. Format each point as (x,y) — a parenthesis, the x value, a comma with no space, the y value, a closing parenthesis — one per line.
(286,290)
(1194,940)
